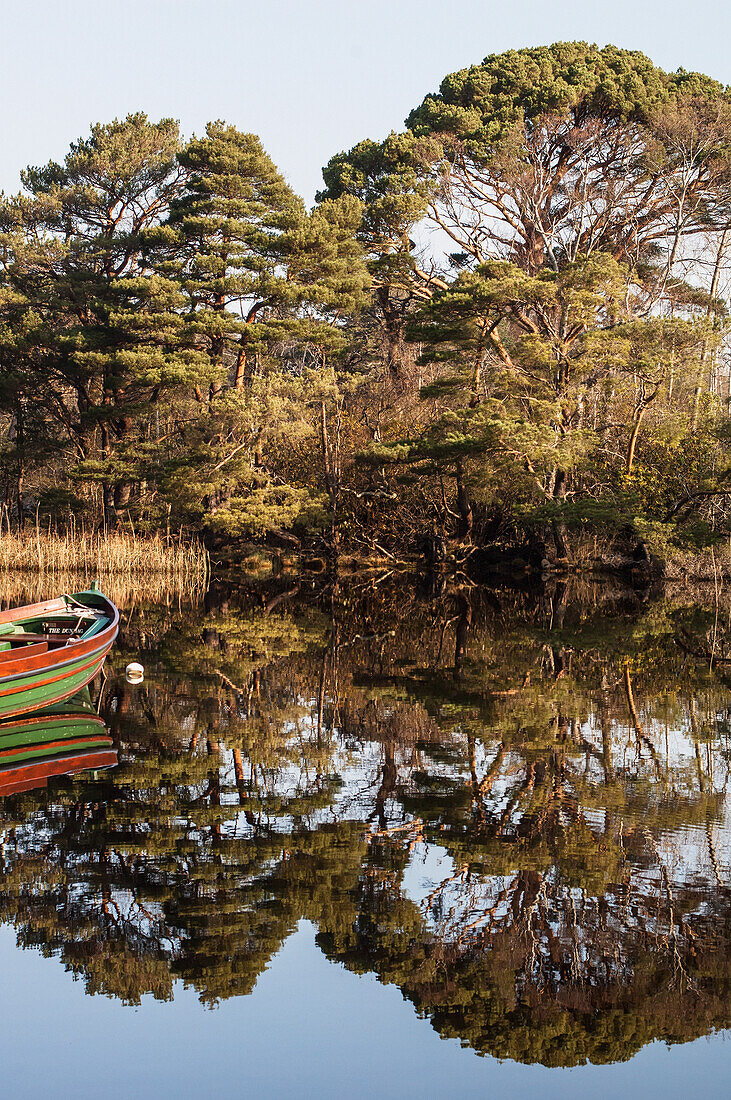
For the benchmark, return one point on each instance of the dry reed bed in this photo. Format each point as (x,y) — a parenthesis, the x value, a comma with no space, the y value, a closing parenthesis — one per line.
(40,563)
(128,593)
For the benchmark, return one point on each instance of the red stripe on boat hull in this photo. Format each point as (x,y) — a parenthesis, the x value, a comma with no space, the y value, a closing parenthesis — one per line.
(26,777)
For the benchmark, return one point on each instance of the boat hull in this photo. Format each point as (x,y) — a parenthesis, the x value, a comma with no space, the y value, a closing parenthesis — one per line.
(63,740)
(44,677)
(36,771)
(38,689)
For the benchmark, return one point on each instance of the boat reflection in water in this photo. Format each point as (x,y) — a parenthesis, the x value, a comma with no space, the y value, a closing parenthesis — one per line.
(61,740)
(515,807)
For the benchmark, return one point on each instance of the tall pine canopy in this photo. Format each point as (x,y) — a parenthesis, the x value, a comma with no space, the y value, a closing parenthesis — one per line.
(562,201)
(505,325)
(93,329)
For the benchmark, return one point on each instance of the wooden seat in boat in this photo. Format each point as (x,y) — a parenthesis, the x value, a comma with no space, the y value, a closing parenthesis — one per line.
(23,651)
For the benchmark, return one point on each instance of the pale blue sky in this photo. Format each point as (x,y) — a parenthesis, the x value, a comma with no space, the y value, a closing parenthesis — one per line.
(310,77)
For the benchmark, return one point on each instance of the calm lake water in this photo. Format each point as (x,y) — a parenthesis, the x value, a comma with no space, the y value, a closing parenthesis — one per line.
(372,840)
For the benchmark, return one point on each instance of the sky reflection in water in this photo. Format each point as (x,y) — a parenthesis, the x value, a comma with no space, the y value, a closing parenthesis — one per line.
(504,816)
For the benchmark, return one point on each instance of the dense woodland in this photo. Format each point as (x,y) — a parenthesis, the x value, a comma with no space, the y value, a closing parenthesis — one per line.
(504,326)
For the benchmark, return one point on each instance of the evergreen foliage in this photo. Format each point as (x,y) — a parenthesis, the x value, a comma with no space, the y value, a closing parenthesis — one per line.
(506,324)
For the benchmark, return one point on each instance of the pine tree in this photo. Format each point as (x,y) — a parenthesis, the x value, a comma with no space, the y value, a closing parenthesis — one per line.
(268,292)
(101,333)
(226,236)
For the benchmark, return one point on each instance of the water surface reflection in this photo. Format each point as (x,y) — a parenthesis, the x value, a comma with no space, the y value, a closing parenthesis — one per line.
(512,805)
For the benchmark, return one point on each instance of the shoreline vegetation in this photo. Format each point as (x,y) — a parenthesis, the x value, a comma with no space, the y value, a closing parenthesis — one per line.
(127,590)
(498,342)
(120,560)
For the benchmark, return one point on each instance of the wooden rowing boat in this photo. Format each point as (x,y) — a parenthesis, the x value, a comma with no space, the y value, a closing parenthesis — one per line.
(50,650)
(62,740)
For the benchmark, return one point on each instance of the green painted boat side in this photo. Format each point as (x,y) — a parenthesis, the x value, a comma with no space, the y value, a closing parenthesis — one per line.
(41,752)
(60,740)
(51,728)
(43,679)
(39,728)
(78,706)
(39,690)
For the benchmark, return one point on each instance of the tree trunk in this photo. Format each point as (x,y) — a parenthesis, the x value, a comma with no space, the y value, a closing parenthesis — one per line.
(558,526)
(241,368)
(633,438)
(239,775)
(331,470)
(464,506)
(702,368)
(122,497)
(122,493)
(393,328)
(245,365)
(107,487)
(477,373)
(460,640)
(20,477)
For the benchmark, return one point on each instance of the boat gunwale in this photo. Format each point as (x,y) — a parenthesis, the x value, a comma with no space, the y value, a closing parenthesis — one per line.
(50,666)
(12,614)
(25,721)
(17,666)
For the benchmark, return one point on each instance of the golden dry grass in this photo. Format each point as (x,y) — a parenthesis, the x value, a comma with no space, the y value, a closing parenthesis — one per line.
(115,552)
(17,589)
(36,563)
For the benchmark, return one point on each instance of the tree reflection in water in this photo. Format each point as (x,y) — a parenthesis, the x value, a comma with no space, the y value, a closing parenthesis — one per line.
(510,804)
